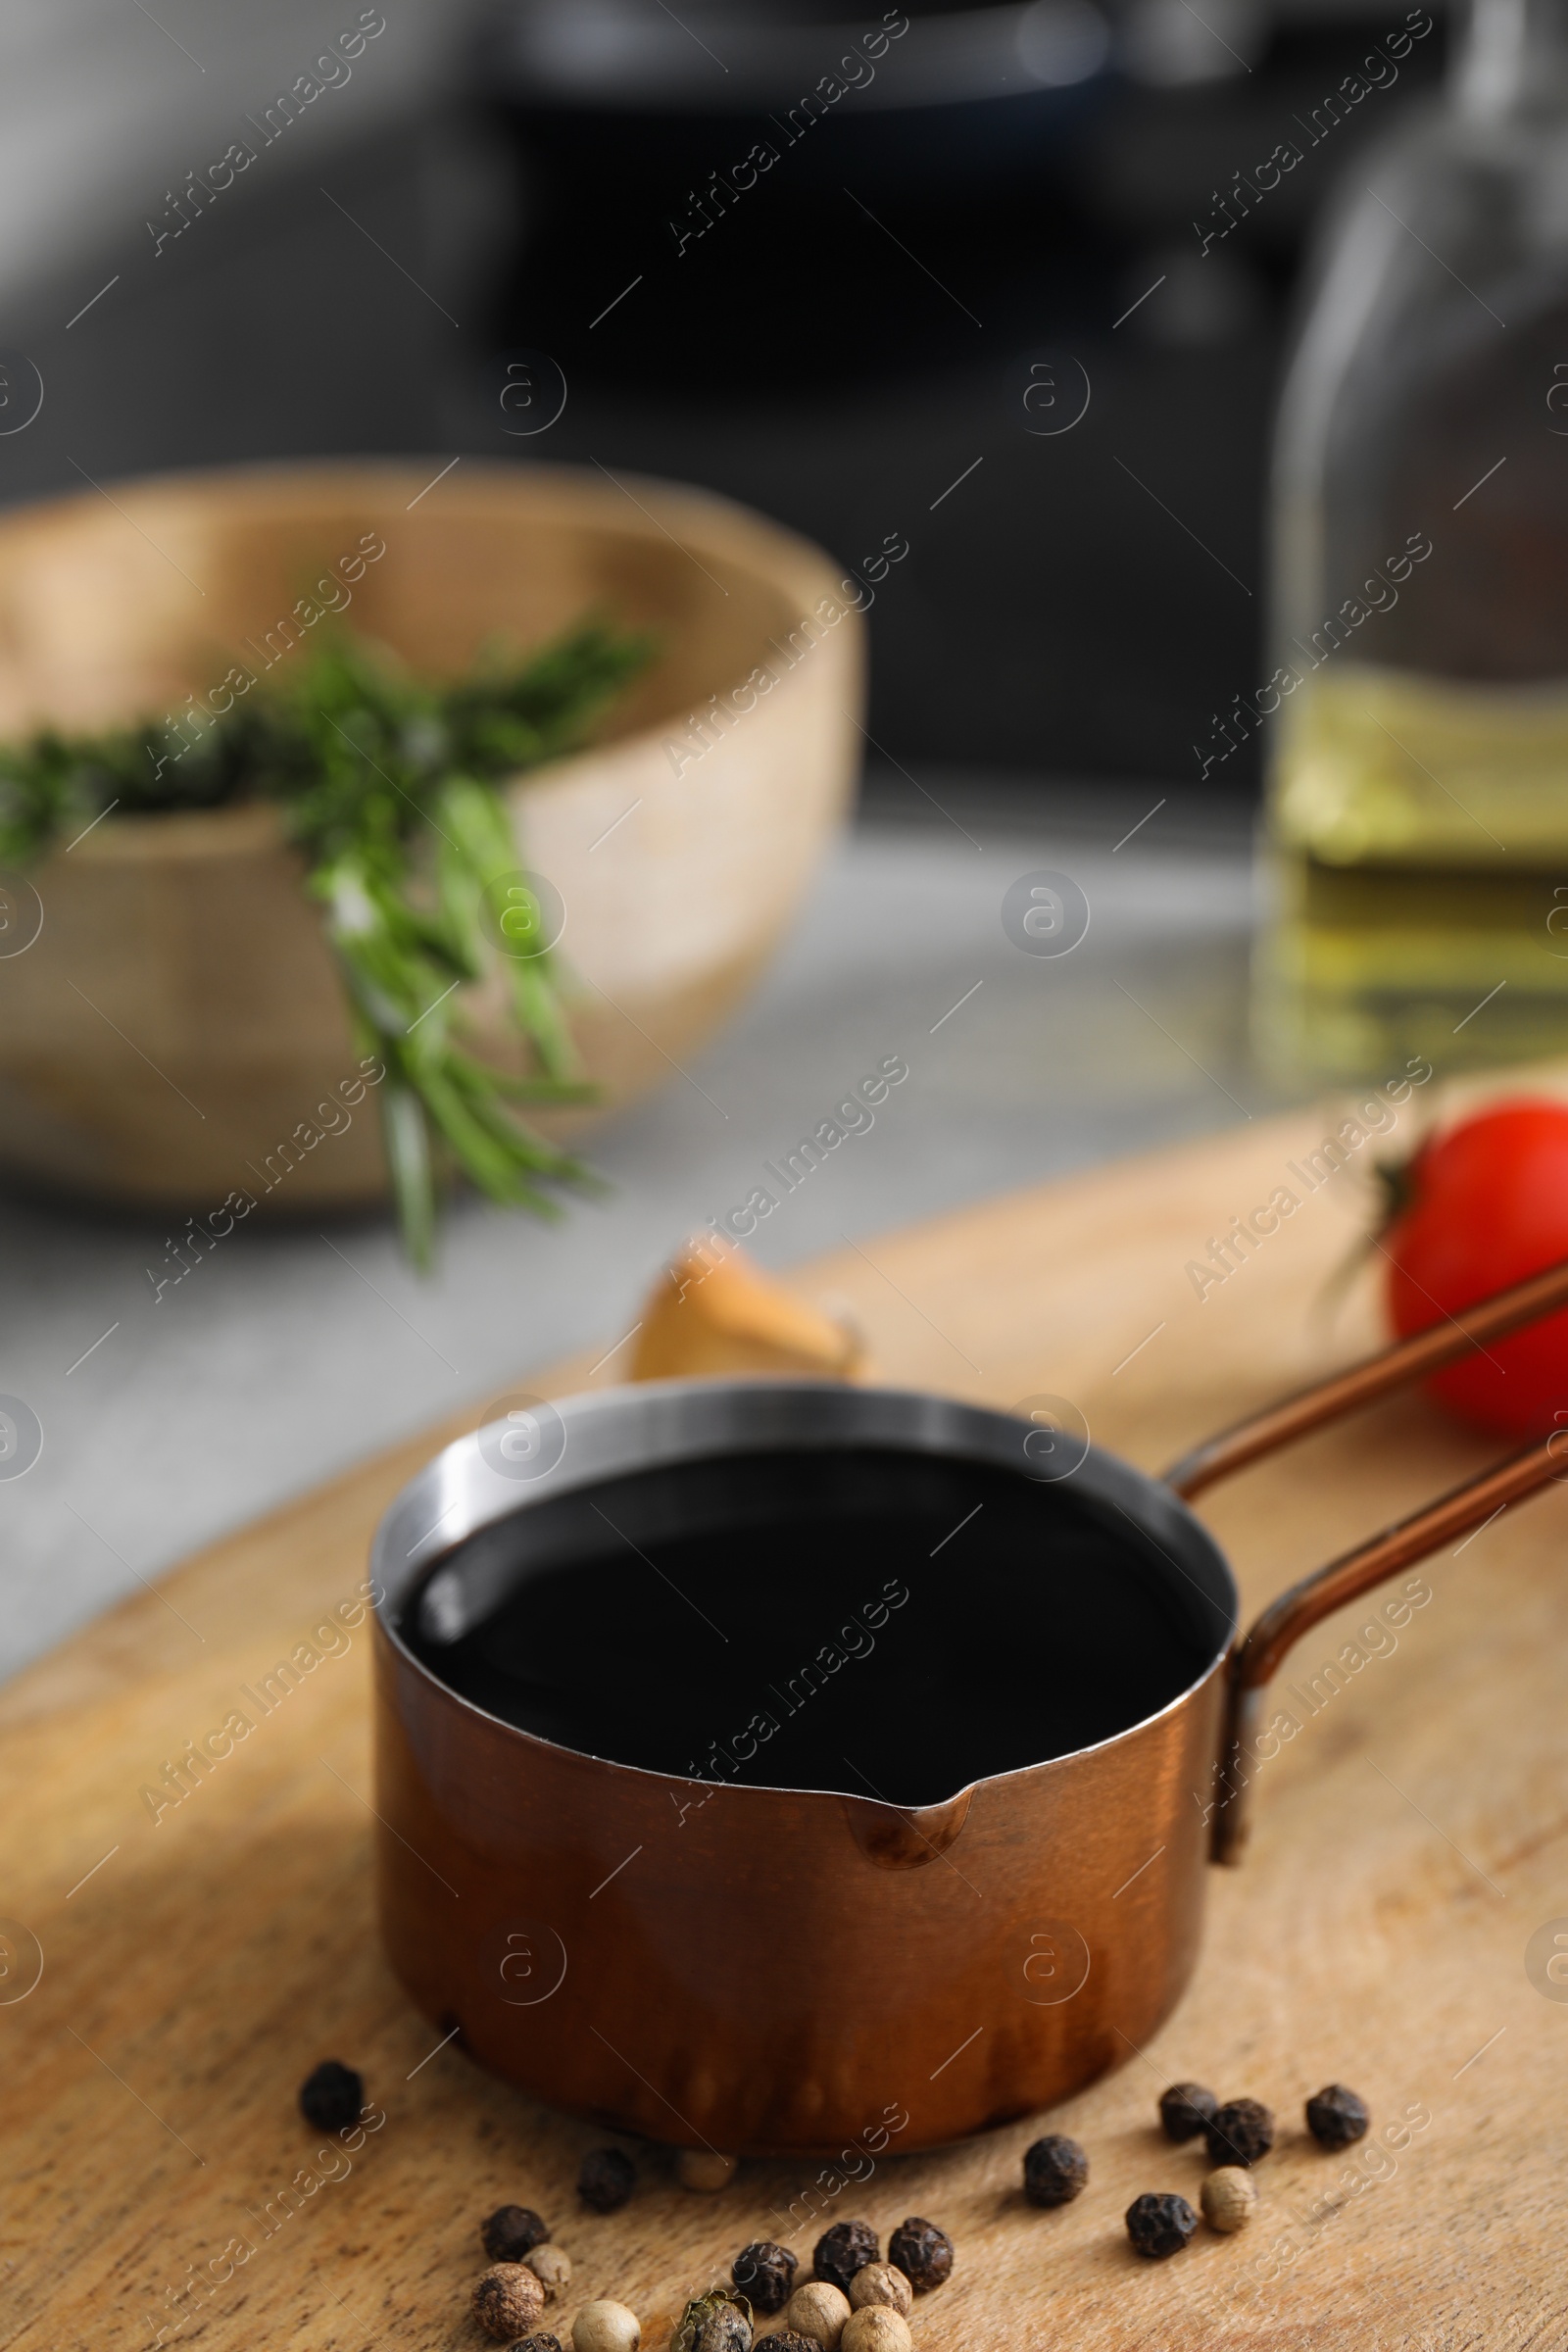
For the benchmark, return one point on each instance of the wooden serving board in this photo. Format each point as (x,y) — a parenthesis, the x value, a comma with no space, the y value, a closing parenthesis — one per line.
(1409,1842)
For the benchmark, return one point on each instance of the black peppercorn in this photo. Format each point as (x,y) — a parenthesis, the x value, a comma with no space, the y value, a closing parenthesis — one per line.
(606,2179)
(788,2341)
(1336,2117)
(1240,2132)
(1159,2226)
(922,2252)
(332,2098)
(537,2343)
(1054,2170)
(1185,2110)
(842,2250)
(765,2273)
(511,2232)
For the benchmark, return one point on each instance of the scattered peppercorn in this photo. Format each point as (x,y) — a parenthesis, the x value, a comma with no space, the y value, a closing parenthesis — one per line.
(1336,2116)
(606,2326)
(817,2310)
(725,2329)
(1159,2225)
(1185,2110)
(788,2341)
(842,2250)
(882,2283)
(766,2273)
(1242,2131)
(511,2232)
(606,2180)
(922,2252)
(332,2097)
(876,2327)
(537,2343)
(552,2267)
(718,2322)
(1054,2170)
(1229,2198)
(507,2301)
(704,2169)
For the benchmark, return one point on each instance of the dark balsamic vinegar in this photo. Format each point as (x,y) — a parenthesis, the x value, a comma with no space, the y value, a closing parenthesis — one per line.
(875,1621)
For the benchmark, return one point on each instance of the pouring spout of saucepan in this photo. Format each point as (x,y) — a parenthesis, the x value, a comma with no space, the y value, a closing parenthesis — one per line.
(1257,1656)
(904,1838)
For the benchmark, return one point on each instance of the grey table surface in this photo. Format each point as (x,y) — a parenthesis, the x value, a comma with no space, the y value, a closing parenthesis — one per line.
(294,1350)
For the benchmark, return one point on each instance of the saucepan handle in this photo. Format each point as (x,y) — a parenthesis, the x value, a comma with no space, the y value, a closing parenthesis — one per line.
(1430,1350)
(1252,1665)
(1282,1624)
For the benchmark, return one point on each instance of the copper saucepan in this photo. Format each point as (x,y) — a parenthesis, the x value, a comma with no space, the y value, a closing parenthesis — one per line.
(624,1916)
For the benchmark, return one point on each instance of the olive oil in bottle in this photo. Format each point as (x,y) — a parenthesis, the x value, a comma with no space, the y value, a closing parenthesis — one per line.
(1417,820)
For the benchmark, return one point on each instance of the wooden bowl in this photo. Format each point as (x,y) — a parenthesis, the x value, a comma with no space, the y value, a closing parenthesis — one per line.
(178,1018)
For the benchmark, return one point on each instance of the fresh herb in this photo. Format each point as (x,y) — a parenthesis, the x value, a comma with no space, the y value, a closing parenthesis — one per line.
(390,788)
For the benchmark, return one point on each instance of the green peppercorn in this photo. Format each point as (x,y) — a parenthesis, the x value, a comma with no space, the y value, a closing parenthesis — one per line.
(718,2322)
(1336,2116)
(1159,2225)
(1185,2110)
(1054,2170)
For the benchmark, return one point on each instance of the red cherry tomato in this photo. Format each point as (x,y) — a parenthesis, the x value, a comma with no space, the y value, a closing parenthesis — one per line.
(1487,1205)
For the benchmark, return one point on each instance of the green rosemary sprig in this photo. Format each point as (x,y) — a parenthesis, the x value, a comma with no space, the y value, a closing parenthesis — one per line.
(389,786)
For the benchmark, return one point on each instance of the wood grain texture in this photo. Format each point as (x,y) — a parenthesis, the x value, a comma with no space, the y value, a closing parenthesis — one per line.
(1409,1843)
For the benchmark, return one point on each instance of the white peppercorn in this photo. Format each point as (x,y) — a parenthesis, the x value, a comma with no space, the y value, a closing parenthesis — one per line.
(1229,2198)
(606,2326)
(884,2284)
(507,2301)
(552,2267)
(817,2310)
(876,2327)
(704,2169)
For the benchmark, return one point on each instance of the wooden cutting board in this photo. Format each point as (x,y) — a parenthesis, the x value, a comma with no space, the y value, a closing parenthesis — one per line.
(1410,1843)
